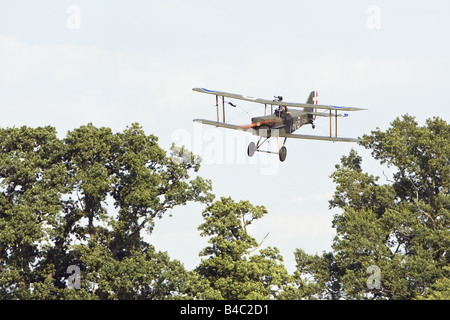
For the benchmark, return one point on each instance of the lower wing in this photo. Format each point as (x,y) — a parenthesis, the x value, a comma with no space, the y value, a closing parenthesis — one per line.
(311,137)
(219,124)
(281,133)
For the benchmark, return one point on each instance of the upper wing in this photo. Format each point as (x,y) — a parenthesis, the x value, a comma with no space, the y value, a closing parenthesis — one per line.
(327,114)
(311,137)
(236,96)
(278,103)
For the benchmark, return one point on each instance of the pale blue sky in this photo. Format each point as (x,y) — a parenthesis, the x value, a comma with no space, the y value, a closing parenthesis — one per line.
(113,63)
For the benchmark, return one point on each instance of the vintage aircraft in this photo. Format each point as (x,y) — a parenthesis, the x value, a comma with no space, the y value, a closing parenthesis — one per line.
(279,123)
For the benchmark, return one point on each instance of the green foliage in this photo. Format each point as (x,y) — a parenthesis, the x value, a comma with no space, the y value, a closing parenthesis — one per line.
(316,277)
(230,270)
(87,200)
(401,227)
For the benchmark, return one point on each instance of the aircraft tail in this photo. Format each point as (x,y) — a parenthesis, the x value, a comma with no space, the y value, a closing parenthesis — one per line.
(312,99)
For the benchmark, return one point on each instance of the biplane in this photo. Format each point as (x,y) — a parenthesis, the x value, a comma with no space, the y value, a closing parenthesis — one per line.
(280,123)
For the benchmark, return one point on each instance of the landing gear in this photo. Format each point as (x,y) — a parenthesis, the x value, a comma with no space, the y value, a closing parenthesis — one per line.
(251,149)
(283,153)
(311,120)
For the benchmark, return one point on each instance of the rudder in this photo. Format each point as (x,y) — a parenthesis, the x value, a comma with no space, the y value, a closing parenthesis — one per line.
(312,99)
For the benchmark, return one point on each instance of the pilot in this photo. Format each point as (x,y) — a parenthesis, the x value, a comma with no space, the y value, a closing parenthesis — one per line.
(282,110)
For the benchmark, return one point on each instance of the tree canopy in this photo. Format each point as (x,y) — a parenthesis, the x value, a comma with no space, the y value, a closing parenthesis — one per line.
(400,229)
(229,269)
(86,200)
(81,206)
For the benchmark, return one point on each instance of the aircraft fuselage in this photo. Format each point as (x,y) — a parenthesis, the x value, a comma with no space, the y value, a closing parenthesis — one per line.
(288,121)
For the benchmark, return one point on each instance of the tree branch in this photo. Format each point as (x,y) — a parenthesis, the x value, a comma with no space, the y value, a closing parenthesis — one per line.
(259,245)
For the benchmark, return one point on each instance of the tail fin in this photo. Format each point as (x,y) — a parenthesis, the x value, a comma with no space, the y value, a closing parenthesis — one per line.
(312,99)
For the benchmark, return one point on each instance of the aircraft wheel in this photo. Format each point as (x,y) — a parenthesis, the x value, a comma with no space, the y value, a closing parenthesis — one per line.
(283,154)
(251,149)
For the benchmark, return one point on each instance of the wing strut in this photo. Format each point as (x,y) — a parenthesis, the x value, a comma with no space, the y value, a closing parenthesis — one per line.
(335,112)
(217,107)
(335,124)
(330,123)
(223,108)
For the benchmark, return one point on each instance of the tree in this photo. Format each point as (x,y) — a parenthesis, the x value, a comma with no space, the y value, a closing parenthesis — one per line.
(401,227)
(32,180)
(316,277)
(231,271)
(87,200)
(393,239)
(440,290)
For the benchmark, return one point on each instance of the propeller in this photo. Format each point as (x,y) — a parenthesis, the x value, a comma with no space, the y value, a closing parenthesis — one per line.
(258,124)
